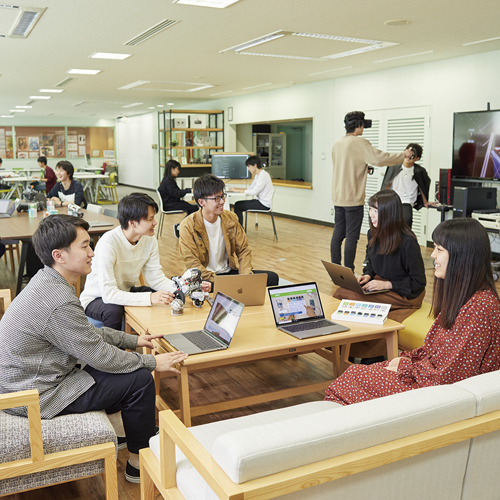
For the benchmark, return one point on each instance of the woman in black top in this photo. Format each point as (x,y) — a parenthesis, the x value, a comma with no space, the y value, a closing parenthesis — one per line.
(66,189)
(171,194)
(393,262)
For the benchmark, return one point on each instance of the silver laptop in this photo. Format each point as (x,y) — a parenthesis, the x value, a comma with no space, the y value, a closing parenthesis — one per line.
(297,310)
(218,331)
(344,276)
(6,211)
(99,223)
(249,288)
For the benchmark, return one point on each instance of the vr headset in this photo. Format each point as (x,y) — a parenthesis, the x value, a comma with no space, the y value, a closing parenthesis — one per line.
(357,121)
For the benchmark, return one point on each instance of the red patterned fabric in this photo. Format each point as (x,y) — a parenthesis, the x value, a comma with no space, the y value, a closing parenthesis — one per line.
(470,347)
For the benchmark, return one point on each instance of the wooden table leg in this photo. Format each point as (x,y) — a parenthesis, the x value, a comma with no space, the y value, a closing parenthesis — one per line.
(184,403)
(336,360)
(344,358)
(391,340)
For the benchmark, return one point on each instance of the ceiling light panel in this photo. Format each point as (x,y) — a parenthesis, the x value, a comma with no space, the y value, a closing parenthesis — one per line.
(17,110)
(40,97)
(154,86)
(481,41)
(52,91)
(84,71)
(133,105)
(25,107)
(337,38)
(109,55)
(217,4)
(6,116)
(255,41)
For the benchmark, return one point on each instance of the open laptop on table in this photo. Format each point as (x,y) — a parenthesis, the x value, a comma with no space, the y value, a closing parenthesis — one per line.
(218,331)
(6,211)
(344,276)
(249,288)
(297,310)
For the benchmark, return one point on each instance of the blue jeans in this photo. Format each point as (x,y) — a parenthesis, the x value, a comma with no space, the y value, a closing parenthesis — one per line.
(348,222)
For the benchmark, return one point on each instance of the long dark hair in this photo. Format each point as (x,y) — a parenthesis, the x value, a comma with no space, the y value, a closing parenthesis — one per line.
(468,269)
(391,225)
(170,165)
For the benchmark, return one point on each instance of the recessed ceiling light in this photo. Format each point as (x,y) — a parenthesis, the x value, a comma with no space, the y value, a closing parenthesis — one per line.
(220,93)
(109,55)
(218,4)
(402,57)
(397,22)
(170,103)
(337,38)
(330,70)
(133,105)
(481,41)
(52,91)
(160,106)
(84,71)
(283,56)
(7,116)
(40,97)
(18,111)
(255,86)
(256,41)
(151,107)
(25,107)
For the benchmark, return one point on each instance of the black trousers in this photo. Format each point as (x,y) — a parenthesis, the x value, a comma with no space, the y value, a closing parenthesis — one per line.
(348,222)
(181,205)
(408,214)
(272,277)
(111,314)
(131,393)
(244,205)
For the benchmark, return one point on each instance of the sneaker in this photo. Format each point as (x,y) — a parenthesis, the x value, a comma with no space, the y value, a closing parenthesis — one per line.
(132,474)
(122,442)
(176,230)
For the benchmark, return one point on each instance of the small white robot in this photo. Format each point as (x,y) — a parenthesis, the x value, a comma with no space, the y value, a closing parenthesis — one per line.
(188,285)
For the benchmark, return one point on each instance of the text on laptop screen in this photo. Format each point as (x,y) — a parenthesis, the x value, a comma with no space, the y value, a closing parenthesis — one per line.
(224,317)
(295,303)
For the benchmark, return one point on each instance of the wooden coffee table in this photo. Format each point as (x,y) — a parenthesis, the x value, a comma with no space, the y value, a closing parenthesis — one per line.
(256,338)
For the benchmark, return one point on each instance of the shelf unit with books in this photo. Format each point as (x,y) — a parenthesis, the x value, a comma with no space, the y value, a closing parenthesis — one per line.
(190,137)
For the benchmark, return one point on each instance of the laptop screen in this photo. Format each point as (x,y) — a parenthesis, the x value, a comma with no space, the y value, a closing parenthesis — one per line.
(224,317)
(293,303)
(4,206)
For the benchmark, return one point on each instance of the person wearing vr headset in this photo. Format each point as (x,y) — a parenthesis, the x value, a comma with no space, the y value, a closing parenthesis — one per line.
(351,155)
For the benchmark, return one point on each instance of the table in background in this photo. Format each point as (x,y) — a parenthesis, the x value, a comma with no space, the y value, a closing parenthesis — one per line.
(256,338)
(91,184)
(21,227)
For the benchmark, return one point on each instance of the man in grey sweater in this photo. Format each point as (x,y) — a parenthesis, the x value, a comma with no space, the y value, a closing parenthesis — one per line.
(44,332)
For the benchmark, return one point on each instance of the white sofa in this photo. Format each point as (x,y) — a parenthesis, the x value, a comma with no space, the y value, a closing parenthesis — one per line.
(411,445)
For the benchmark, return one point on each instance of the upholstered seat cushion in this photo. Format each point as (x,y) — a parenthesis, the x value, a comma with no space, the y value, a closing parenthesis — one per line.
(59,434)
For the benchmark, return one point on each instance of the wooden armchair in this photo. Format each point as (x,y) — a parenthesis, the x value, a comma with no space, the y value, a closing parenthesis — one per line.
(38,467)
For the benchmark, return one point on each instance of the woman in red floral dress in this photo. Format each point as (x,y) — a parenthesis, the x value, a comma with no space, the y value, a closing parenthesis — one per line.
(465,338)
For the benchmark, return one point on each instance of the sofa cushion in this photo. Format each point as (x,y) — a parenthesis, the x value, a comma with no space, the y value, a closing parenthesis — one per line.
(189,482)
(486,389)
(60,433)
(250,453)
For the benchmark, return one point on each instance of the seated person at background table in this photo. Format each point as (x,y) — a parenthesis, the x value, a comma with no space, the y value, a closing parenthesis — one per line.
(171,194)
(120,256)
(262,187)
(410,181)
(393,262)
(67,190)
(211,239)
(465,338)
(49,176)
(4,186)
(40,349)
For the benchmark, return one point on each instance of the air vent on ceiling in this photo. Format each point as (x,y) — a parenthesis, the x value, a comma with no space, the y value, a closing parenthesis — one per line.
(25,22)
(157,28)
(65,82)
(81,103)
(29,102)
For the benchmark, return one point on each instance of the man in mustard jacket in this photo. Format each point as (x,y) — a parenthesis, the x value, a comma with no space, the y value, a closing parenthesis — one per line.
(212,239)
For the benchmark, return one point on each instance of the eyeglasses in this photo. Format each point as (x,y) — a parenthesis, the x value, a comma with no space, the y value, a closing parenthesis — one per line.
(217,199)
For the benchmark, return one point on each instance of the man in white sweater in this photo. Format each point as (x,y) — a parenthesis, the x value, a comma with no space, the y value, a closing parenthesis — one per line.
(351,155)
(120,256)
(262,187)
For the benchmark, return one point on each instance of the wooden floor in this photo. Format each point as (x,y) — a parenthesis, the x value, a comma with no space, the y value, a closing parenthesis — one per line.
(296,257)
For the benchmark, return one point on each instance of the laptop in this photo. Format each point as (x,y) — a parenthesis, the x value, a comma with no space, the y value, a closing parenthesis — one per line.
(344,276)
(6,211)
(297,310)
(99,223)
(249,288)
(218,331)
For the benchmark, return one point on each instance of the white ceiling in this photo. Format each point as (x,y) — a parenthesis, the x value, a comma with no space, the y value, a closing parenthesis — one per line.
(188,54)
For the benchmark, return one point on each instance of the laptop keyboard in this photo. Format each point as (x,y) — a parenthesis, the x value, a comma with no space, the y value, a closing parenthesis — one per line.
(308,326)
(201,340)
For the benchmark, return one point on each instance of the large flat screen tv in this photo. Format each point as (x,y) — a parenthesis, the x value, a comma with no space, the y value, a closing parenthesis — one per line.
(476,145)
(230,166)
